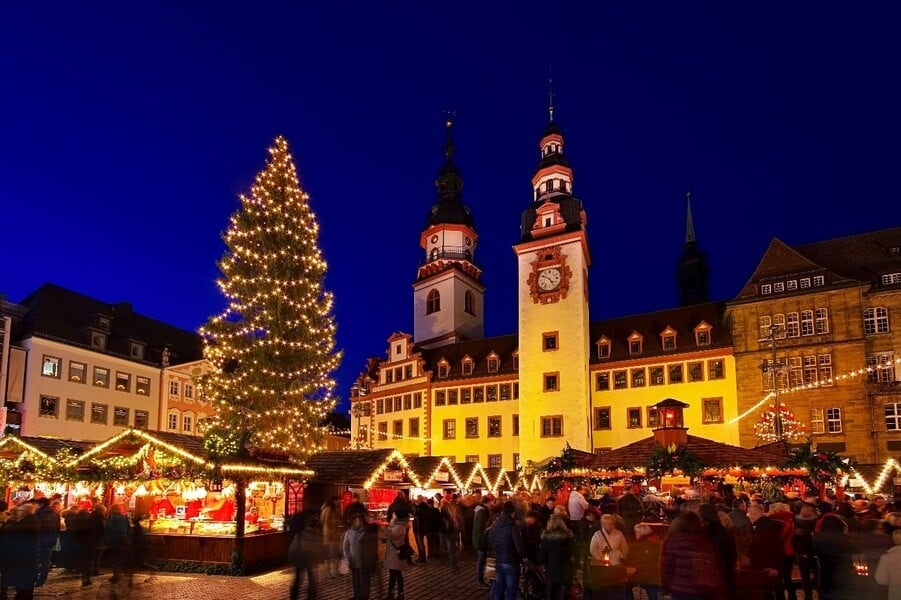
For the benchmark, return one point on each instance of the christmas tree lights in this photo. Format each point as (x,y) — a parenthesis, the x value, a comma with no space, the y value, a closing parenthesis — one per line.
(273,348)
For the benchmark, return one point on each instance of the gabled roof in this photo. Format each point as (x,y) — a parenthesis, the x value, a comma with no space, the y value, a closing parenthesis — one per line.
(650,325)
(347,466)
(63,315)
(46,447)
(478,350)
(710,452)
(426,467)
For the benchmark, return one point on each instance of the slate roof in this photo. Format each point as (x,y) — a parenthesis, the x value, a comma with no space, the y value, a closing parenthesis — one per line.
(346,466)
(570,211)
(650,325)
(712,453)
(63,315)
(504,346)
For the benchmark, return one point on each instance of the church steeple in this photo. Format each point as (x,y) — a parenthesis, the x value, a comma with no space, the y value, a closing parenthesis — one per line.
(692,269)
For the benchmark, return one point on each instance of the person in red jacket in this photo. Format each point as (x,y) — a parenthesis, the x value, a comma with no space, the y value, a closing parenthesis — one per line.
(689,567)
(782,514)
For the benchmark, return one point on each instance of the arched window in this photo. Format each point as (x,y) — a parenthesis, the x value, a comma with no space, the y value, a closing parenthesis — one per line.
(469,303)
(433,302)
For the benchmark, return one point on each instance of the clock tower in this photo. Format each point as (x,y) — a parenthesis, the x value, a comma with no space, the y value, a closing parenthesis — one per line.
(448,293)
(553,258)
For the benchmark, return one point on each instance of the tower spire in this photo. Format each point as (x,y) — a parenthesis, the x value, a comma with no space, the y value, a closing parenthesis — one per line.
(449,116)
(689,222)
(550,95)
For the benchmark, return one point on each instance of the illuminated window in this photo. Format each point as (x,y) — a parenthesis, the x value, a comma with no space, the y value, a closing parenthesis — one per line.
(712,410)
(450,429)
(875,320)
(637,377)
(74,410)
(433,302)
(494,426)
(552,426)
(695,371)
(51,366)
(675,373)
(49,407)
(494,461)
(602,418)
(142,418)
(834,420)
(656,375)
(817,423)
(716,369)
(633,417)
(123,381)
(78,372)
(822,321)
(602,381)
(472,459)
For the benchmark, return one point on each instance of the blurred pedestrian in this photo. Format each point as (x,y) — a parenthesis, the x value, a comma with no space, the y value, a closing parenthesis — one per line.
(361,551)
(48,516)
(395,563)
(556,554)
(116,540)
(306,554)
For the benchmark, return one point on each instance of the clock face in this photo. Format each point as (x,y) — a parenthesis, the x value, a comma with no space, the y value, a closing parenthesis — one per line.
(549,279)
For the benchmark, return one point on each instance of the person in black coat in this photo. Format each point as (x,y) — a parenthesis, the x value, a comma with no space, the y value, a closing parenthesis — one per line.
(834,549)
(48,517)
(21,545)
(724,542)
(556,554)
(305,554)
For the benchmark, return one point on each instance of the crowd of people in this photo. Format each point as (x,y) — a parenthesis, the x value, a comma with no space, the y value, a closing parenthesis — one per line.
(38,534)
(706,546)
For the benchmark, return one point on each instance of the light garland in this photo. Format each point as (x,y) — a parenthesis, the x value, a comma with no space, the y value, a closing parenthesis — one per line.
(887,469)
(395,455)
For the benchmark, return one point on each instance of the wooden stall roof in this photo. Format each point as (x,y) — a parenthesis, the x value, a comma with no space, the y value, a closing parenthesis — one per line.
(466,470)
(710,452)
(426,466)
(347,466)
(48,447)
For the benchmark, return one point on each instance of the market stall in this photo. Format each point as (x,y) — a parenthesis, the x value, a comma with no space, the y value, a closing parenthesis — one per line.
(436,475)
(33,466)
(201,514)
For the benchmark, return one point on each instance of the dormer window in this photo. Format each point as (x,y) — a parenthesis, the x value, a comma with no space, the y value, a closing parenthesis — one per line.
(891,278)
(516,360)
(443,369)
(779,286)
(103,323)
(766,288)
(635,343)
(603,348)
(398,348)
(467,366)
(137,350)
(702,334)
(493,363)
(98,340)
(668,337)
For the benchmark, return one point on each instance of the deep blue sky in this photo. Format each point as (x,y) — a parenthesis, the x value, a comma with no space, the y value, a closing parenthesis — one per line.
(128,130)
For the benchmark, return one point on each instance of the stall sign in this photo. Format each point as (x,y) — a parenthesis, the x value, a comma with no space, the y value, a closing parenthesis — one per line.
(215,486)
(477,479)
(392,475)
(346,498)
(443,476)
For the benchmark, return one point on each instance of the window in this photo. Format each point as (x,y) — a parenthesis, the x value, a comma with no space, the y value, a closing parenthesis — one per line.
(656,375)
(515,428)
(389,376)
(552,426)
(397,404)
(408,372)
(472,459)
(825,364)
(779,325)
(695,371)
(433,302)
(408,401)
(51,366)
(189,391)
(810,369)
(653,416)
(465,395)
(49,407)
(834,420)
(603,350)
(78,372)
(602,418)
(120,416)
(494,427)
(764,323)
(637,377)
(703,338)
(791,285)
(619,380)
(452,396)
(98,340)
(516,460)
(551,382)
(549,341)
(440,396)
(478,394)
(819,280)
(173,421)
(380,405)
(766,288)
(187,423)
(417,400)
(602,381)
(779,286)
(881,367)
(383,431)
(716,369)
(875,320)
(142,417)
(822,321)
(174,387)
(494,461)
(505,391)
(793,328)
(804,283)
(74,410)
(633,417)
(398,374)
(893,416)
(142,386)
(472,427)
(123,381)
(713,410)
(414,427)
(493,364)
(669,342)
(635,347)
(795,372)
(891,278)
(442,370)
(817,424)
(469,303)
(103,323)
(99,413)
(467,366)
(397,429)
(137,350)
(516,390)
(450,429)
(516,361)
(675,373)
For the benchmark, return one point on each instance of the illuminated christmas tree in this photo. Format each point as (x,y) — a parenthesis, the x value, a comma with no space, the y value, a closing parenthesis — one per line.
(767,426)
(273,348)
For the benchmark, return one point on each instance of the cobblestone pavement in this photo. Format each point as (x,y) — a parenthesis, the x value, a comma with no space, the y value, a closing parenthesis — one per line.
(432,581)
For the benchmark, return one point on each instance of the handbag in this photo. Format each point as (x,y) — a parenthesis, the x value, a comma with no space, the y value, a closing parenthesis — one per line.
(404,551)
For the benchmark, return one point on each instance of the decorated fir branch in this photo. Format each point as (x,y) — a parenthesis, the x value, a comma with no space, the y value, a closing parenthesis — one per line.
(822,466)
(273,347)
(664,461)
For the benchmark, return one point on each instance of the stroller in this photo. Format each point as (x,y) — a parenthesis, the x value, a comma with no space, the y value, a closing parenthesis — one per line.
(532,582)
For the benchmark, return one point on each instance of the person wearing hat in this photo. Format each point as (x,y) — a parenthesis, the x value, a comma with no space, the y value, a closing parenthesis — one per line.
(394,562)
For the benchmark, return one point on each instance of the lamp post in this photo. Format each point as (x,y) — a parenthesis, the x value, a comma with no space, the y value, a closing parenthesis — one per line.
(778,426)
(358,411)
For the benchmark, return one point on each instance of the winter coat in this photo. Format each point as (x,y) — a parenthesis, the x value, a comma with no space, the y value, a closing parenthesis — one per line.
(21,546)
(397,536)
(787,520)
(399,504)
(803,537)
(332,522)
(505,541)
(116,532)
(619,547)
(837,575)
(556,554)
(766,549)
(479,528)
(888,572)
(689,566)
(360,546)
(306,548)
(644,555)
(50,524)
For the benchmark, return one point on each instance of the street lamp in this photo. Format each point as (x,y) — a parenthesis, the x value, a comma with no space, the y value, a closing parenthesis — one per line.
(359,409)
(773,369)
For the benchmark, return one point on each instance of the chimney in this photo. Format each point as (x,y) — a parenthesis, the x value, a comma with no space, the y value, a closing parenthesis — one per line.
(670,429)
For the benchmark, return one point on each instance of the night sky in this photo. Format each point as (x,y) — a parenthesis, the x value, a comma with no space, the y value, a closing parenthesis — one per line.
(129,129)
